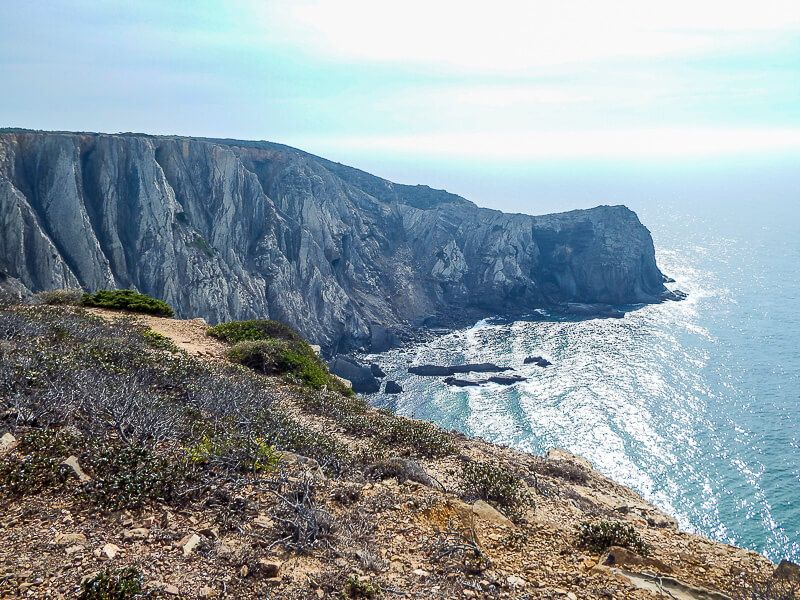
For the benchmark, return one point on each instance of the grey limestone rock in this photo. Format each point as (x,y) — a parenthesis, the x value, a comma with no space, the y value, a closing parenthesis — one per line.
(226,229)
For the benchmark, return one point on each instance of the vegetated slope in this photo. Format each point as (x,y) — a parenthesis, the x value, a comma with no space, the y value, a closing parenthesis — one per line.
(227,229)
(187,475)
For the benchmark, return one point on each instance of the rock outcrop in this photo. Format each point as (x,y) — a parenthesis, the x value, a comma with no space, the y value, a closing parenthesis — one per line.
(227,229)
(360,376)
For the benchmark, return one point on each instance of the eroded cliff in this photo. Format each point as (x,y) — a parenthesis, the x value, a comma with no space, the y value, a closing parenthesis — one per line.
(228,229)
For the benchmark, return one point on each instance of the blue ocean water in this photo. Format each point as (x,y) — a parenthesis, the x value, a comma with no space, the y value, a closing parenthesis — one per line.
(694,404)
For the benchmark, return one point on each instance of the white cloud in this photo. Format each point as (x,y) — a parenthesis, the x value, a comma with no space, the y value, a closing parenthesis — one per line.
(594,144)
(516,35)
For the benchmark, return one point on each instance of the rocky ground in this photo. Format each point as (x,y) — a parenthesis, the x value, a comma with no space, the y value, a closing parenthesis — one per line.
(402,522)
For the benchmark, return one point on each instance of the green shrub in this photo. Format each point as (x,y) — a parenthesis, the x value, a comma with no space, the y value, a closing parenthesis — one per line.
(254,455)
(285,433)
(130,476)
(59,297)
(122,476)
(39,467)
(354,587)
(495,484)
(117,584)
(129,300)
(283,357)
(250,331)
(420,437)
(598,536)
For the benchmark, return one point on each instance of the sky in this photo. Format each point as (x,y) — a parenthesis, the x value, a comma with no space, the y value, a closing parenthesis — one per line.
(520,105)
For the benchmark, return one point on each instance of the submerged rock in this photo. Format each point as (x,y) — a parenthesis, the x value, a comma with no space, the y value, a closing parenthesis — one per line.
(392,387)
(437,370)
(454,381)
(507,379)
(539,361)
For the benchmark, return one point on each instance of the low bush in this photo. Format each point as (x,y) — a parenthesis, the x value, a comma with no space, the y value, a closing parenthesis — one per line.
(285,357)
(495,484)
(459,547)
(129,300)
(234,332)
(113,584)
(418,438)
(565,470)
(355,587)
(38,467)
(771,589)
(301,523)
(598,536)
(121,476)
(129,477)
(235,452)
(66,296)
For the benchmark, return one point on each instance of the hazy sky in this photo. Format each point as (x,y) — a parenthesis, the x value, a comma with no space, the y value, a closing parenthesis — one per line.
(522,105)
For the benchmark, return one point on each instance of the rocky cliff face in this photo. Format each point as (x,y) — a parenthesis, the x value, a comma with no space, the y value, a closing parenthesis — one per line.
(230,230)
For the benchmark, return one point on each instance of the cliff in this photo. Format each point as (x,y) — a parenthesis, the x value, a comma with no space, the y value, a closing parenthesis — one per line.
(227,229)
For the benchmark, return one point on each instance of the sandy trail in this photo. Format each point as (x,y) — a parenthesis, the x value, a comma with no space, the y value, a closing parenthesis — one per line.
(189,335)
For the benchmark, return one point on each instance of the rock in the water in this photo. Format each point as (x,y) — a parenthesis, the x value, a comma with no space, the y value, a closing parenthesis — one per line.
(507,379)
(430,370)
(479,368)
(376,370)
(392,387)
(382,338)
(359,375)
(438,370)
(456,382)
(539,361)
(676,295)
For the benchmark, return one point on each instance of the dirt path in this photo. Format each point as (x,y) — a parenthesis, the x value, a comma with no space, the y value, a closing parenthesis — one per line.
(189,335)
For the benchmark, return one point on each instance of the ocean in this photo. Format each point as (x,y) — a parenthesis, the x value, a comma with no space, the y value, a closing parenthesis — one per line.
(694,404)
